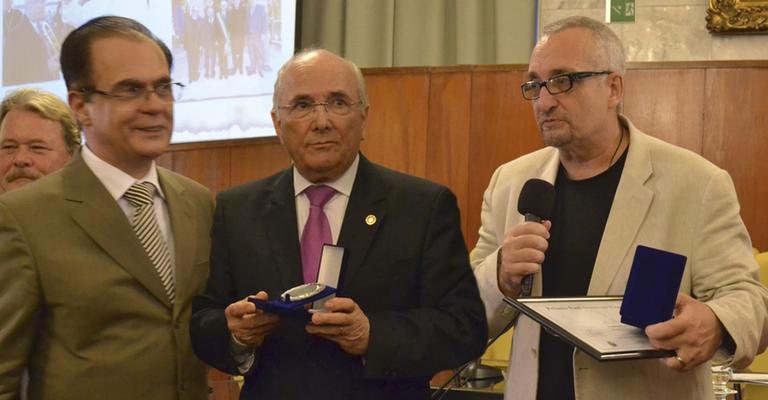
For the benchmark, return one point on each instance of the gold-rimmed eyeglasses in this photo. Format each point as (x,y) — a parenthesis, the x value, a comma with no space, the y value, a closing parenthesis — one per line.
(166,91)
(339,106)
(557,84)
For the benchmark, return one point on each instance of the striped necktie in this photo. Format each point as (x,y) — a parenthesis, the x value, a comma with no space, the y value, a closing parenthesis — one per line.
(141,196)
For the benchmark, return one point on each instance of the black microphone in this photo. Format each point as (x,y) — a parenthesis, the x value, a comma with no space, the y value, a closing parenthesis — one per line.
(536,201)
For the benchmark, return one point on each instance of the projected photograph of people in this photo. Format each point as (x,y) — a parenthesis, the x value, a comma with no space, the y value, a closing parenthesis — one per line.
(226,53)
(31,41)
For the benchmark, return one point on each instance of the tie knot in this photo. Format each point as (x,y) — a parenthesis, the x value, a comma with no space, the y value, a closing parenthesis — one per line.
(318,195)
(140,194)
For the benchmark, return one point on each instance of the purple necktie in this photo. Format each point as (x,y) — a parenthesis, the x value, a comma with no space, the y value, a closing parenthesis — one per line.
(317,231)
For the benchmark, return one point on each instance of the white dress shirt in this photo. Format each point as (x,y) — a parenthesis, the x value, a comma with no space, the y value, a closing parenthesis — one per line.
(335,207)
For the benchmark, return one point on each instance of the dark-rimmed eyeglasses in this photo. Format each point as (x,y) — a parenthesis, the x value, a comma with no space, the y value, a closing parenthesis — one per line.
(339,106)
(166,91)
(557,84)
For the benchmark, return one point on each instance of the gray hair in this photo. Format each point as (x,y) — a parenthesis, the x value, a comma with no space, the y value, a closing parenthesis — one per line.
(610,49)
(361,91)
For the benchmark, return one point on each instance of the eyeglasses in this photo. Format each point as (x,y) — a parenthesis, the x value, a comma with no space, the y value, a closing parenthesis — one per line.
(339,106)
(166,91)
(557,84)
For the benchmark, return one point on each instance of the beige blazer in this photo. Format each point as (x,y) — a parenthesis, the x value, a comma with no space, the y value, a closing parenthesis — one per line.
(667,198)
(81,305)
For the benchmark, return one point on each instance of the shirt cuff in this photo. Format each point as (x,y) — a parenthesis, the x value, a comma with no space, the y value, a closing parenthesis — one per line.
(243,354)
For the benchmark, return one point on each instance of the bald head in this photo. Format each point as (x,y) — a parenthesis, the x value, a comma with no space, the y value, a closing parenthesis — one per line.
(310,57)
(319,113)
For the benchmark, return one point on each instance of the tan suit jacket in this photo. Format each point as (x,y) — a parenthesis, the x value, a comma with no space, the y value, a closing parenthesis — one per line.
(81,305)
(668,198)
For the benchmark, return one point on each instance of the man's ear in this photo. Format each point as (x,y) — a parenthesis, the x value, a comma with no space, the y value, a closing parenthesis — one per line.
(616,87)
(365,120)
(276,124)
(79,107)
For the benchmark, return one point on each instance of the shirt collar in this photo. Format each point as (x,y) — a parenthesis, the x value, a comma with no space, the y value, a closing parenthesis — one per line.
(342,185)
(114,179)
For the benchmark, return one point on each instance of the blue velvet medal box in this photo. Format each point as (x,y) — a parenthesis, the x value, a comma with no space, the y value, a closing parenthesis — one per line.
(292,301)
(652,287)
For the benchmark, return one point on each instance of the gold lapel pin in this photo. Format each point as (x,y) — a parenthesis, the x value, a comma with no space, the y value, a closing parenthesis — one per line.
(370,219)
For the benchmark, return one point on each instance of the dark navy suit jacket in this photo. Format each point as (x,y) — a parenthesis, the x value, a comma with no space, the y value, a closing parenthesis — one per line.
(409,272)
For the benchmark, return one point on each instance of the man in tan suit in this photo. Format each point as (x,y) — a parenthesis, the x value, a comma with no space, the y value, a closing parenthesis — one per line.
(99,261)
(616,188)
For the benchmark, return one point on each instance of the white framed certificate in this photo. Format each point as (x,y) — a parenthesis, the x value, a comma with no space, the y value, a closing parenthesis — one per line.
(592,324)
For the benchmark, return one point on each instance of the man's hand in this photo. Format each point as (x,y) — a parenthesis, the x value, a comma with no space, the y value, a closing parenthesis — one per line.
(694,334)
(522,253)
(249,325)
(342,321)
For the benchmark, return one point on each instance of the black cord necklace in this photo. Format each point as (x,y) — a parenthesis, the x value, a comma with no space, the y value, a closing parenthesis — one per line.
(621,140)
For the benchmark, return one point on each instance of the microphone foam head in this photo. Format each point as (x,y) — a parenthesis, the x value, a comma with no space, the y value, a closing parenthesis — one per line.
(537,198)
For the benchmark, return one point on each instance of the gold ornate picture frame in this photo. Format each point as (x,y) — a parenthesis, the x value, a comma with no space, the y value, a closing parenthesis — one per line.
(737,16)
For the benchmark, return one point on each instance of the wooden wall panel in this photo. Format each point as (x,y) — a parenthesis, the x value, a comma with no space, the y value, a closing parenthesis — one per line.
(209,166)
(736,139)
(447,157)
(257,159)
(396,132)
(456,125)
(659,102)
(502,128)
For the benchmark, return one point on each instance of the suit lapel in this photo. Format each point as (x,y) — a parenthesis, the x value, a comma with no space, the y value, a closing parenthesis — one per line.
(93,208)
(183,230)
(628,211)
(280,225)
(368,198)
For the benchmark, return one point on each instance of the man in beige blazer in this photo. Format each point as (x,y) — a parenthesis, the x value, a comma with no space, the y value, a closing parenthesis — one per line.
(616,188)
(83,304)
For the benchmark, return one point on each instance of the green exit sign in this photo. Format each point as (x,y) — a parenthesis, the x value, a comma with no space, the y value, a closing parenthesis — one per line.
(620,10)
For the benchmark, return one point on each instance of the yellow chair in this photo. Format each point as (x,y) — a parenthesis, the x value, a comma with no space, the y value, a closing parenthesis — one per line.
(760,364)
(497,354)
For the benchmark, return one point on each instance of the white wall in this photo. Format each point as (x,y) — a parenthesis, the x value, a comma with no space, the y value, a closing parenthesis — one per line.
(664,30)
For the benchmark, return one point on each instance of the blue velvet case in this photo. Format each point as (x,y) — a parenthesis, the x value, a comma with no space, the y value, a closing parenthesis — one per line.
(285,306)
(652,287)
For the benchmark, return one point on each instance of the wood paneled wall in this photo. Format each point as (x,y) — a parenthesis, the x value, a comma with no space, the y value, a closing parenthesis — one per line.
(455,125)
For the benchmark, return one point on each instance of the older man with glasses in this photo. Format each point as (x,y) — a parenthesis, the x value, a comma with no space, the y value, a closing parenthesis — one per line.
(407,304)
(99,262)
(615,188)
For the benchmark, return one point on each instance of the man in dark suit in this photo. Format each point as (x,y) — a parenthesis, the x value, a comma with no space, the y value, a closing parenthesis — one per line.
(99,261)
(407,305)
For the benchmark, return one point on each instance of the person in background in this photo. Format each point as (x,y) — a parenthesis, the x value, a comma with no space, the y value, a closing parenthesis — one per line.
(237,19)
(100,260)
(28,49)
(615,188)
(38,135)
(257,39)
(407,304)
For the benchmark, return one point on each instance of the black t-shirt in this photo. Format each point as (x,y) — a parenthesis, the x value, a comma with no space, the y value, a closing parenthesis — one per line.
(578,221)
